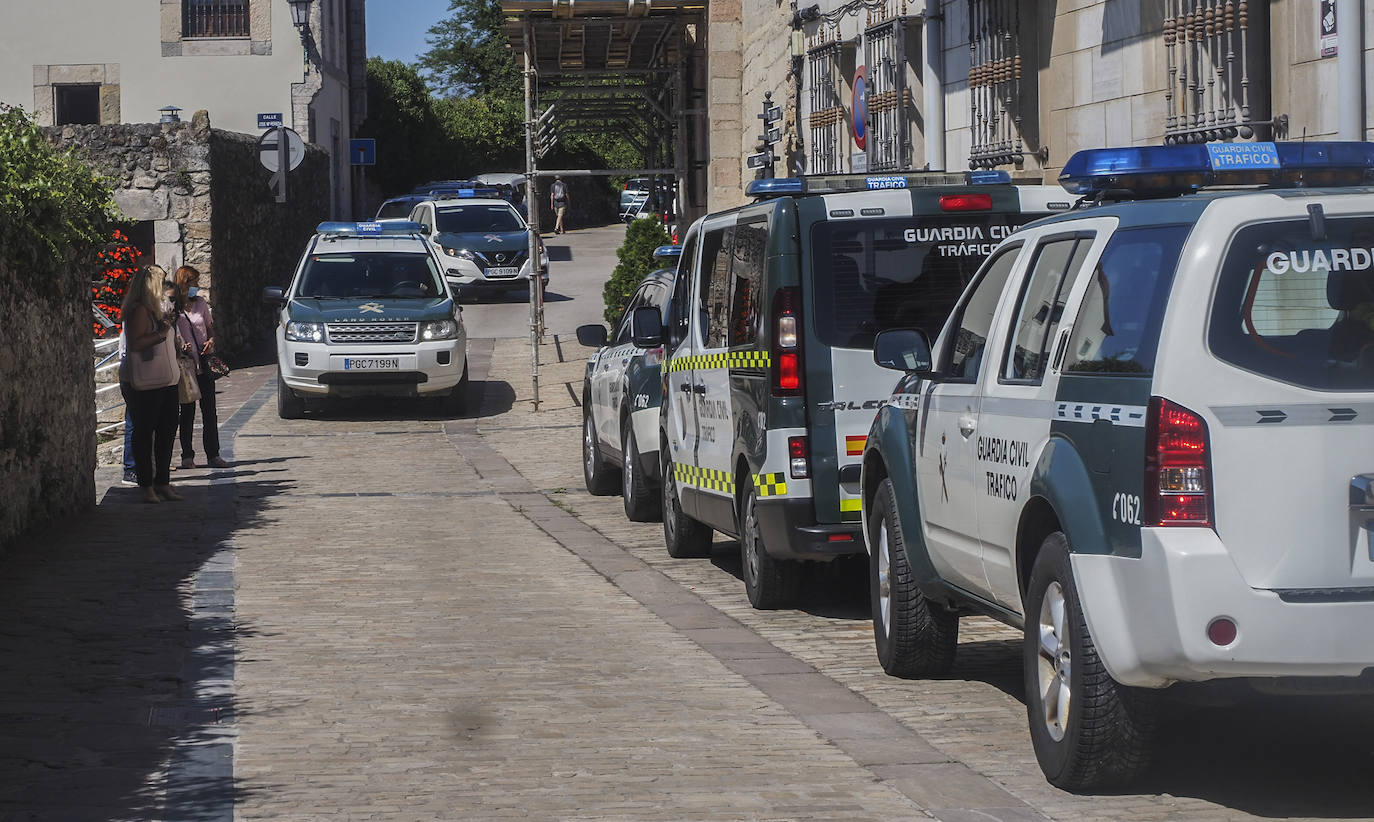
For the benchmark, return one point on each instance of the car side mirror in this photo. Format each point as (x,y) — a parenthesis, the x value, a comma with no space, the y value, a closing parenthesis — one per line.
(273,295)
(903,349)
(592,336)
(646,327)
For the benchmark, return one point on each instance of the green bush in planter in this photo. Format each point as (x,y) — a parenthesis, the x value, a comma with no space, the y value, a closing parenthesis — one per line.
(636,260)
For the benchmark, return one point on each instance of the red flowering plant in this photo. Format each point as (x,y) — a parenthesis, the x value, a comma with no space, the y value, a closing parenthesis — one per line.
(119,262)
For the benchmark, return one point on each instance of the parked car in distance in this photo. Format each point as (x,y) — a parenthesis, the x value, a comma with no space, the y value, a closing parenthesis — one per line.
(1138,439)
(483,243)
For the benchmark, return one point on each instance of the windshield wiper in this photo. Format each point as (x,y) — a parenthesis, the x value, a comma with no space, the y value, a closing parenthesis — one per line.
(323,297)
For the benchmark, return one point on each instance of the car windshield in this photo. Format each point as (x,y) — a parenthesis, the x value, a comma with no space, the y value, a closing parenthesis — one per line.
(477,218)
(900,272)
(1296,303)
(366,274)
(394,210)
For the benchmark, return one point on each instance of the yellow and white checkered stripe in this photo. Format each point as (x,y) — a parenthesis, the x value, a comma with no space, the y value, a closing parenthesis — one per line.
(705,478)
(731,359)
(771,485)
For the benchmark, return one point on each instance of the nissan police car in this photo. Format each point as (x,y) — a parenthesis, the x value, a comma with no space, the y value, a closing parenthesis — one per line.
(770,384)
(1146,437)
(483,242)
(621,394)
(368,313)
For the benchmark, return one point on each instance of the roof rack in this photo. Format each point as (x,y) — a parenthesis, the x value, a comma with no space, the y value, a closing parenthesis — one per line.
(371,228)
(1143,172)
(837,183)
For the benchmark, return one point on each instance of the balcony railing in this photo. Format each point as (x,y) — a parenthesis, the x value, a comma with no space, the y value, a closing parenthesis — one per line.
(214,18)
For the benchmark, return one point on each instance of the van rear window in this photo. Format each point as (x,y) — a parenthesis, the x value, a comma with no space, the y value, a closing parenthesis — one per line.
(898,272)
(1296,302)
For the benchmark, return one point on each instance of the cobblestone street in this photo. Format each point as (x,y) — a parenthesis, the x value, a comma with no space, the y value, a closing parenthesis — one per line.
(379,613)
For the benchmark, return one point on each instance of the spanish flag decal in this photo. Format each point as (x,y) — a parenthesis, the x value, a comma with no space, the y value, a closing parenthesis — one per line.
(854,446)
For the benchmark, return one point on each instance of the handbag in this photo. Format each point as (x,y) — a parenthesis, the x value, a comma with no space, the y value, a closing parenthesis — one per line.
(188,389)
(155,366)
(213,365)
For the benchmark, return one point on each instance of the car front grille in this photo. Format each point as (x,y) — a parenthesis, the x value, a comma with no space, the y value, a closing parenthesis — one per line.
(504,259)
(344,333)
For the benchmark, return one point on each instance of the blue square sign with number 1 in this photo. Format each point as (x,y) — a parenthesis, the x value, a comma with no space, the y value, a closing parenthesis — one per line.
(362,152)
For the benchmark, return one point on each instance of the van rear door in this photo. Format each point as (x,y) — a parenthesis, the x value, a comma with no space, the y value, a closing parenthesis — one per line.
(881,260)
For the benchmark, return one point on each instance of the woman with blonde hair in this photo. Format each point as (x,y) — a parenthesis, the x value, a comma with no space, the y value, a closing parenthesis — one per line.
(148,377)
(197,332)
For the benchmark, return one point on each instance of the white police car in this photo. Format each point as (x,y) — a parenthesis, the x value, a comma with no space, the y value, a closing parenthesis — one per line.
(1145,435)
(621,394)
(368,313)
(483,242)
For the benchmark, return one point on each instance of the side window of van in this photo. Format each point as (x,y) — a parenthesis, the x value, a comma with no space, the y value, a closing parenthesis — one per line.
(974,321)
(714,290)
(1042,306)
(750,249)
(679,319)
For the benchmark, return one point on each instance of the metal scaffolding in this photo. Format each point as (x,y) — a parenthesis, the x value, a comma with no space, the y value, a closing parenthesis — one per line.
(603,67)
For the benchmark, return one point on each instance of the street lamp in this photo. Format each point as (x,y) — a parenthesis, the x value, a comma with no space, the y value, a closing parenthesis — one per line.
(300,14)
(170,114)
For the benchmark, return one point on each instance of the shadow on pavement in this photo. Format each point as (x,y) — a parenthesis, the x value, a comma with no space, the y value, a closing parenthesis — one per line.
(109,642)
(559,253)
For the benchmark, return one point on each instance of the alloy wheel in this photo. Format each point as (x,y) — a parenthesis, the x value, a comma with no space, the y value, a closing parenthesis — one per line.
(1055,662)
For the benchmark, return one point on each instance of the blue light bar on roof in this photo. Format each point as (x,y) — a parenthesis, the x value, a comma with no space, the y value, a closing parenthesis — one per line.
(668,251)
(369,229)
(840,183)
(775,187)
(1157,171)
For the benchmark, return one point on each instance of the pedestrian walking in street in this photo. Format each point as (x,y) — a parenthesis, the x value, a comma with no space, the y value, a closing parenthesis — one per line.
(148,380)
(559,199)
(196,329)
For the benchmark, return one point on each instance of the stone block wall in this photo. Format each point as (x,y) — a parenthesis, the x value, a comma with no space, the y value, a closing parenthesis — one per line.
(254,240)
(47,416)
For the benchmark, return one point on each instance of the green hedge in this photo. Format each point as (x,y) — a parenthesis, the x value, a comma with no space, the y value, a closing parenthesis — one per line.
(636,260)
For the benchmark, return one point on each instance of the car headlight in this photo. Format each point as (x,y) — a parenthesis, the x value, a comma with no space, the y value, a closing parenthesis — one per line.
(460,253)
(543,258)
(305,332)
(438,330)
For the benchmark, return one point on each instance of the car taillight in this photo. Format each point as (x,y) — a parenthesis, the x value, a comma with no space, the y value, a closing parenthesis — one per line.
(1178,483)
(798,466)
(965,202)
(787,343)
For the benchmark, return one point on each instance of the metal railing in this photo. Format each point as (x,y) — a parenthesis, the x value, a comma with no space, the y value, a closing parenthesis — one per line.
(107,359)
(214,18)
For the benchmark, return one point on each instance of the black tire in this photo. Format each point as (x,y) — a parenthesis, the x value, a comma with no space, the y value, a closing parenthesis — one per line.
(642,502)
(914,637)
(770,583)
(1106,735)
(683,536)
(453,403)
(289,406)
(599,477)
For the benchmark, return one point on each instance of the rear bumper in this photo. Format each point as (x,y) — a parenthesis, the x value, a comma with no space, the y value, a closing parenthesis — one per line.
(1149,617)
(790,531)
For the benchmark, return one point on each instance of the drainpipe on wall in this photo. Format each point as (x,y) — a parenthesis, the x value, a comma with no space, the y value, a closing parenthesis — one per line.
(1350,89)
(932,81)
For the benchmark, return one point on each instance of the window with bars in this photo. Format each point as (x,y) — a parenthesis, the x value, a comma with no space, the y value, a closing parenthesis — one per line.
(827,112)
(994,80)
(214,18)
(1208,49)
(888,98)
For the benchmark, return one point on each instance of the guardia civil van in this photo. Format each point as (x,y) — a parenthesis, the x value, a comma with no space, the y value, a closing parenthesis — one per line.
(368,313)
(770,385)
(1145,436)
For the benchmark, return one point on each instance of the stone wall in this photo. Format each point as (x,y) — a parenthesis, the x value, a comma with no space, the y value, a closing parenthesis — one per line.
(47,417)
(256,241)
(208,199)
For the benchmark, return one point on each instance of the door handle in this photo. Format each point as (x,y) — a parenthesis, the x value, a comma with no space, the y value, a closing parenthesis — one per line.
(967,424)
(685,388)
(699,387)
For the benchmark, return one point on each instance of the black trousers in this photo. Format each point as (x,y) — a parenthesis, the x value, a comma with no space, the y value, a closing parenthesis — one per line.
(209,433)
(154,415)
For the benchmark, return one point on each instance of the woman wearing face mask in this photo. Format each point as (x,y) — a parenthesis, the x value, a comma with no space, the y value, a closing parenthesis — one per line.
(197,333)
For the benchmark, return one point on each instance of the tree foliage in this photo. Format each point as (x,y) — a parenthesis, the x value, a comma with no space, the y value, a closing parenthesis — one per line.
(53,207)
(470,54)
(402,119)
(636,257)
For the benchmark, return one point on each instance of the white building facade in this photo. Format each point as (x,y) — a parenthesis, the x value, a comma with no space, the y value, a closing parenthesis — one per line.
(122,61)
